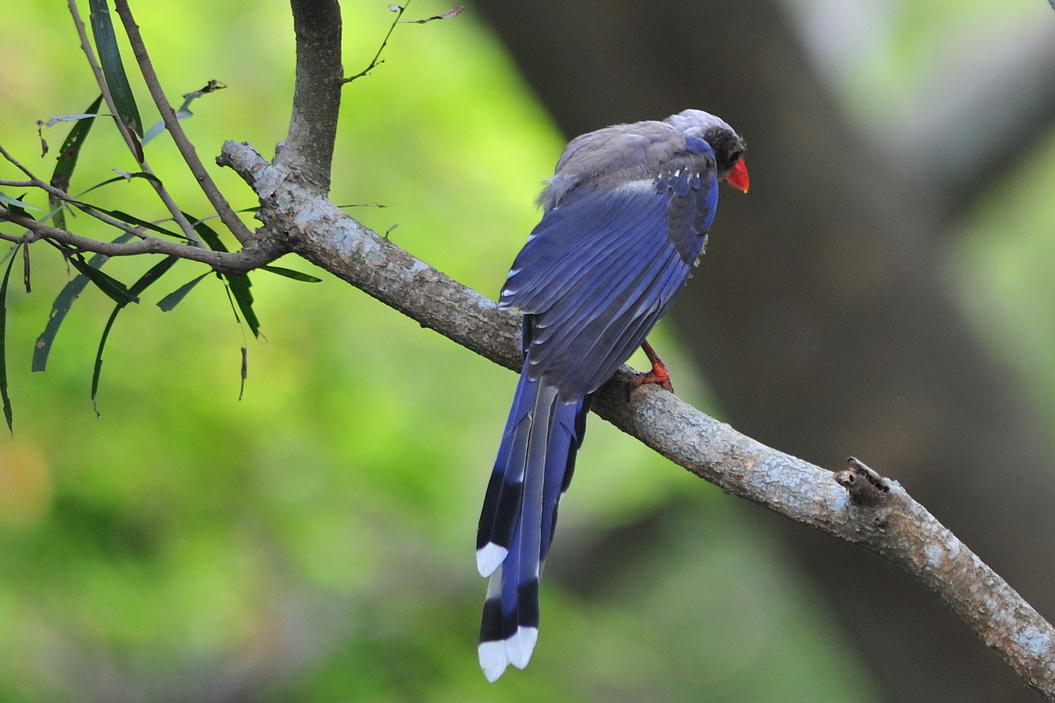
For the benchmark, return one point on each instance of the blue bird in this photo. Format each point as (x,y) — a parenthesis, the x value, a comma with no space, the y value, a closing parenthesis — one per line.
(625,219)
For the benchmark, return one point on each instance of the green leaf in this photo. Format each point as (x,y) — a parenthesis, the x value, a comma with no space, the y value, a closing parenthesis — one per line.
(114,289)
(244,371)
(76,117)
(175,297)
(26,271)
(113,68)
(131,175)
(207,233)
(133,220)
(16,205)
(67,161)
(239,288)
(290,273)
(159,126)
(156,271)
(183,111)
(98,369)
(237,285)
(6,399)
(63,302)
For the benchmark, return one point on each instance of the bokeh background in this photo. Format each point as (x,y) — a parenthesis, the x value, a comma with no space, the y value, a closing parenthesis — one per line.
(884,291)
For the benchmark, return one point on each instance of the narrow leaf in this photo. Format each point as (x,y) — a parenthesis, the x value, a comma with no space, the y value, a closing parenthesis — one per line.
(98,368)
(290,273)
(133,220)
(67,161)
(16,205)
(59,308)
(6,399)
(123,176)
(71,148)
(207,233)
(175,297)
(130,175)
(245,372)
(113,68)
(63,302)
(154,273)
(78,117)
(25,270)
(453,12)
(183,111)
(159,126)
(238,285)
(114,289)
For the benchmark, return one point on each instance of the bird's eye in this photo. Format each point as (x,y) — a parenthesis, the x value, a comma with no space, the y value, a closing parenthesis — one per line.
(734,156)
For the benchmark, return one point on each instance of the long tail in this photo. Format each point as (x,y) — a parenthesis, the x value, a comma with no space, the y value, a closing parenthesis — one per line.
(533,469)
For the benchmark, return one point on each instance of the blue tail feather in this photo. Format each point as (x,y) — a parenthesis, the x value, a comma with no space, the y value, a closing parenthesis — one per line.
(532,471)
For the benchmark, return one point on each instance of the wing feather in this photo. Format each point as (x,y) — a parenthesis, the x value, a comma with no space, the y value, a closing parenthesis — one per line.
(600,270)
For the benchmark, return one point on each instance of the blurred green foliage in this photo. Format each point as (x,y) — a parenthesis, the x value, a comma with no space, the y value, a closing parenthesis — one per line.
(314,540)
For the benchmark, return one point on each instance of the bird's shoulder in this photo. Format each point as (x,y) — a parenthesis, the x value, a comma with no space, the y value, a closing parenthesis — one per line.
(624,156)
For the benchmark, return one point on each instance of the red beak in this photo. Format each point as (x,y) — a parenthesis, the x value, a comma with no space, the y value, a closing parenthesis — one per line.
(738,177)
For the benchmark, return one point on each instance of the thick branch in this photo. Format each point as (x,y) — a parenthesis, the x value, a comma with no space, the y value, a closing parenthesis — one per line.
(308,149)
(891,524)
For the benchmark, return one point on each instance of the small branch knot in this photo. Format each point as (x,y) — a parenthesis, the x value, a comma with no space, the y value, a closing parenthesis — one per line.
(864,484)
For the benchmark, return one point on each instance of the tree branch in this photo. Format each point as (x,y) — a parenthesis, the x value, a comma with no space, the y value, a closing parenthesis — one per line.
(190,155)
(883,519)
(233,262)
(308,149)
(130,140)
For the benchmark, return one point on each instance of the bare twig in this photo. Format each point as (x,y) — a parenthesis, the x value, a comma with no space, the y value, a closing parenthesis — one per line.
(130,140)
(168,115)
(227,262)
(31,183)
(377,61)
(399,10)
(453,12)
(59,194)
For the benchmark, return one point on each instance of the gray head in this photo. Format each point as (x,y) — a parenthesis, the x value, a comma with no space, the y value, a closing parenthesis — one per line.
(727,144)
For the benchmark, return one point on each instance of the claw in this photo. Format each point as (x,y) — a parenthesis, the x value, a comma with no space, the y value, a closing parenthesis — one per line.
(659,374)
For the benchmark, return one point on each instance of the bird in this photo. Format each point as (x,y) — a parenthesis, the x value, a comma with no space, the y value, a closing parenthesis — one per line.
(625,220)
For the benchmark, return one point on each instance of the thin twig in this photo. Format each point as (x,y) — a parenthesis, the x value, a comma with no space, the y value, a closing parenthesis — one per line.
(453,12)
(130,141)
(376,61)
(240,261)
(17,164)
(168,115)
(60,194)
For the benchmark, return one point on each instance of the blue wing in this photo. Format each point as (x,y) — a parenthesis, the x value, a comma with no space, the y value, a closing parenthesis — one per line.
(601,269)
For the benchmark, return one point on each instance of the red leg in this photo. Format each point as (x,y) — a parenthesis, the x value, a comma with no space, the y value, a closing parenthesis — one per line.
(659,373)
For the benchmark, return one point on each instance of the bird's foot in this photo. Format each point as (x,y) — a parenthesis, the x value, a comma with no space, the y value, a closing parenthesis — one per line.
(659,374)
